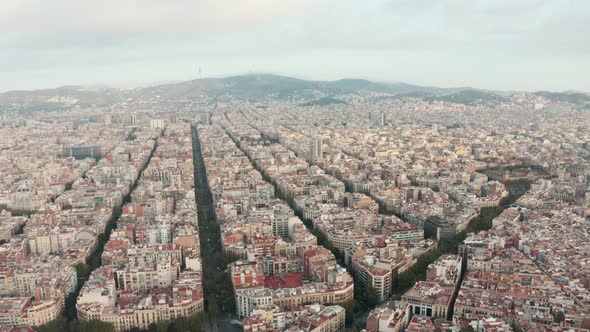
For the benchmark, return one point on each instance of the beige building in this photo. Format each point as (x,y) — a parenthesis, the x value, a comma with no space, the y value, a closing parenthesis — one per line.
(308,318)
(44,311)
(99,299)
(16,311)
(248,299)
(141,315)
(429,299)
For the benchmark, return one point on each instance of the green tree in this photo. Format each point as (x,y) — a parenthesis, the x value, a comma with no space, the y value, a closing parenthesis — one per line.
(83,271)
(349,312)
(559,317)
(58,325)
(162,326)
(91,326)
(406,279)
(372,298)
(212,308)
(189,324)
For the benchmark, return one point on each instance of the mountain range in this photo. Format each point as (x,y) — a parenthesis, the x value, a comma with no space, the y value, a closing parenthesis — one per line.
(262,86)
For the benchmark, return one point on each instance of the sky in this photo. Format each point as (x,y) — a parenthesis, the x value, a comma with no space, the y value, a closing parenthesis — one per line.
(492,44)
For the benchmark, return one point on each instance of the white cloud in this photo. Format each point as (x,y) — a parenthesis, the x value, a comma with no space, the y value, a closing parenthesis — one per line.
(142,15)
(462,42)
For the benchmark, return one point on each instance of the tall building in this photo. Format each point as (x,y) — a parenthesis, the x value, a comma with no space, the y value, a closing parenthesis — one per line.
(439,228)
(81,152)
(382,119)
(375,273)
(206,118)
(157,123)
(315,147)
(280,224)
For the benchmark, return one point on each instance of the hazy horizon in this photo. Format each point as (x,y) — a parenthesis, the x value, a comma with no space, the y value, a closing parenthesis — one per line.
(229,75)
(529,45)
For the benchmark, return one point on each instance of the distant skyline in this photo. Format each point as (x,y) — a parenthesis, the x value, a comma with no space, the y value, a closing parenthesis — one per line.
(490,44)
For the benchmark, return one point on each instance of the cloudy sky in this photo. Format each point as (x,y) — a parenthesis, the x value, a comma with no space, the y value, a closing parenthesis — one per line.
(495,44)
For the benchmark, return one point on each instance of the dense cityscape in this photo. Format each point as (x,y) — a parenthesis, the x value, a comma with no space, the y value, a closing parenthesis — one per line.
(359,211)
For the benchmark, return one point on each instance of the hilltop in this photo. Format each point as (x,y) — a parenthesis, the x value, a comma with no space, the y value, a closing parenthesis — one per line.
(257,87)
